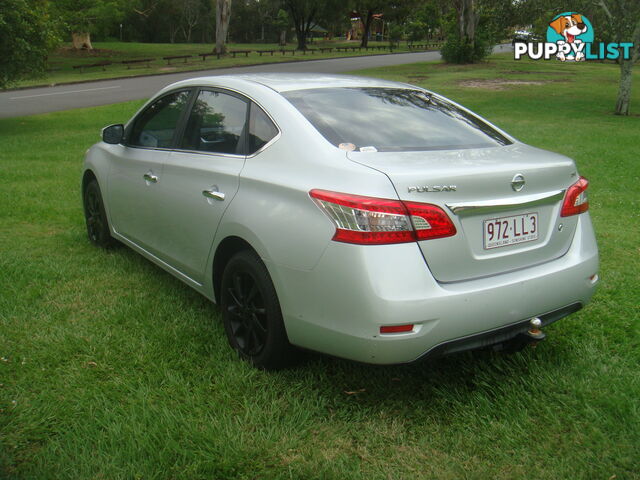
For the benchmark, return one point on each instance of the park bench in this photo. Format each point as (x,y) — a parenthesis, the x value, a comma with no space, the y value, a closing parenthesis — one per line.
(260,52)
(284,51)
(340,49)
(129,63)
(208,54)
(90,65)
(176,57)
(325,49)
(312,50)
(234,52)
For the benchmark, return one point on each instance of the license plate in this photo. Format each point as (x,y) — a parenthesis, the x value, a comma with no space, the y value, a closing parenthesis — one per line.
(504,231)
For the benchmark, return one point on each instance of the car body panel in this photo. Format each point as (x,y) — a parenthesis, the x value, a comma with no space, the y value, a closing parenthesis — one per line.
(188,219)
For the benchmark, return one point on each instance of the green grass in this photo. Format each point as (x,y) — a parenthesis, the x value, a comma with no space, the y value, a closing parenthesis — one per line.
(113,369)
(61,62)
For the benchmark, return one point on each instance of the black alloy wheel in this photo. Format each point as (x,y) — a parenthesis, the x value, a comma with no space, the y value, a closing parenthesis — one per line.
(95,216)
(251,313)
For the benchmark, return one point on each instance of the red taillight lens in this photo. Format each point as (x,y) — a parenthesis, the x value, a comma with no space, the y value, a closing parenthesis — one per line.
(377,221)
(575,200)
(396,328)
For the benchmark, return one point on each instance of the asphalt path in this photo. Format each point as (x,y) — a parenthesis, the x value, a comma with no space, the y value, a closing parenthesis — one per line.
(32,101)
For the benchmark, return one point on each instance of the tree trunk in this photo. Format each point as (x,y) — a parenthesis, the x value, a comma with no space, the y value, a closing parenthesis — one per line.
(624,93)
(81,40)
(626,67)
(302,38)
(468,20)
(223,14)
(283,37)
(367,29)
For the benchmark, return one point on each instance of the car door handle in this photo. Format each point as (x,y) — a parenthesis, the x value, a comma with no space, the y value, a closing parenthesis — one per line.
(213,194)
(150,177)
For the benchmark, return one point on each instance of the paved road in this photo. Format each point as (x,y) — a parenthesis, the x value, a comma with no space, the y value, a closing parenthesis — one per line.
(90,94)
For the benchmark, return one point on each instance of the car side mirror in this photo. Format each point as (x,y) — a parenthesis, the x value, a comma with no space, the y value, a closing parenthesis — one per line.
(113,134)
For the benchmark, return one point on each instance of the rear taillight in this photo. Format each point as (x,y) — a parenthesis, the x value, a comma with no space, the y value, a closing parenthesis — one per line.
(575,200)
(377,221)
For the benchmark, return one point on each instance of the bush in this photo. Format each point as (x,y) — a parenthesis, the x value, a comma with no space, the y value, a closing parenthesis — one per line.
(457,50)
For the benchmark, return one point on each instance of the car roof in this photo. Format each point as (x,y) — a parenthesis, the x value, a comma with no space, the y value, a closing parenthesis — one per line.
(283,82)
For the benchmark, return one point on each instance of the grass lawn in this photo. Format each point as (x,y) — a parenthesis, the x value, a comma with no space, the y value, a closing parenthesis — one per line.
(112,369)
(61,61)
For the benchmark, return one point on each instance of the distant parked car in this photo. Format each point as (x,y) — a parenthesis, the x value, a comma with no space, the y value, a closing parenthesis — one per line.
(524,36)
(366,219)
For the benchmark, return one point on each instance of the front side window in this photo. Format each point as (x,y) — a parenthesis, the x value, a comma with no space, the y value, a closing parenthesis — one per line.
(392,119)
(216,124)
(156,126)
(261,129)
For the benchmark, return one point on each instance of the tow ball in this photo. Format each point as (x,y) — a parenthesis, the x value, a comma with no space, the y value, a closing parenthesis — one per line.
(534,333)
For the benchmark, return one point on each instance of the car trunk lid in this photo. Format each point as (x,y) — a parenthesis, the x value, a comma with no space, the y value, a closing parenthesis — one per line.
(502,224)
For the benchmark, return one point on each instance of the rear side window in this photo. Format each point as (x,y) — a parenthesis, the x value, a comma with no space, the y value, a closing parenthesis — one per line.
(156,126)
(216,124)
(261,129)
(392,119)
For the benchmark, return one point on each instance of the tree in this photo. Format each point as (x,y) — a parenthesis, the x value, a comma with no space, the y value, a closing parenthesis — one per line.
(366,9)
(223,14)
(282,23)
(625,16)
(303,14)
(27,36)
(81,18)
(307,13)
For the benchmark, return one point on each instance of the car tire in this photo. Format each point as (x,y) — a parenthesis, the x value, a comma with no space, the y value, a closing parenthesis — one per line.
(251,313)
(96,216)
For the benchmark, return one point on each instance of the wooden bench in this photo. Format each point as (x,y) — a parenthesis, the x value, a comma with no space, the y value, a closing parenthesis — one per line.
(260,52)
(129,63)
(90,65)
(208,54)
(284,51)
(176,57)
(234,52)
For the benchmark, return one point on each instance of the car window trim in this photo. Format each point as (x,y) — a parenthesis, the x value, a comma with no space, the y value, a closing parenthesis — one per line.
(179,124)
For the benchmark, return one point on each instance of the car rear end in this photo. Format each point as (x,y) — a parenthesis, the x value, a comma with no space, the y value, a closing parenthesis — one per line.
(483,236)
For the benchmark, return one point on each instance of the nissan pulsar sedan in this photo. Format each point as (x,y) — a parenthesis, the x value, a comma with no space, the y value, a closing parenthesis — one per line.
(366,219)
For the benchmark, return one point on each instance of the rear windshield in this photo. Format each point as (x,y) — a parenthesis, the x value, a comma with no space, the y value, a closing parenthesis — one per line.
(391,119)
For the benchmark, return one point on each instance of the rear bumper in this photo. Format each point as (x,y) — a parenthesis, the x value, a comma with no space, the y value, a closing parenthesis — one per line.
(339,306)
(498,335)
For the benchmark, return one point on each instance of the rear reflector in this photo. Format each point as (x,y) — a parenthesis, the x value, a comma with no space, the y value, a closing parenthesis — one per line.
(575,200)
(378,221)
(396,328)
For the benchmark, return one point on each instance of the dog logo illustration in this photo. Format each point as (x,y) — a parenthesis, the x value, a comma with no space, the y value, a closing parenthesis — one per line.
(571,32)
(570,39)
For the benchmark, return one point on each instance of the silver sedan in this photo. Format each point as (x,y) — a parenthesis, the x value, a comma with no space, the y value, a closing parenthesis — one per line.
(366,219)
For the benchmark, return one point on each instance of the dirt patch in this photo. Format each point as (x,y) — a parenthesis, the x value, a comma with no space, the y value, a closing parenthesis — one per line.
(497,83)
(417,78)
(537,72)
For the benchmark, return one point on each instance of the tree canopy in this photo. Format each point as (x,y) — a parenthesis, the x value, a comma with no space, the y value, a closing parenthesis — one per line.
(27,35)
